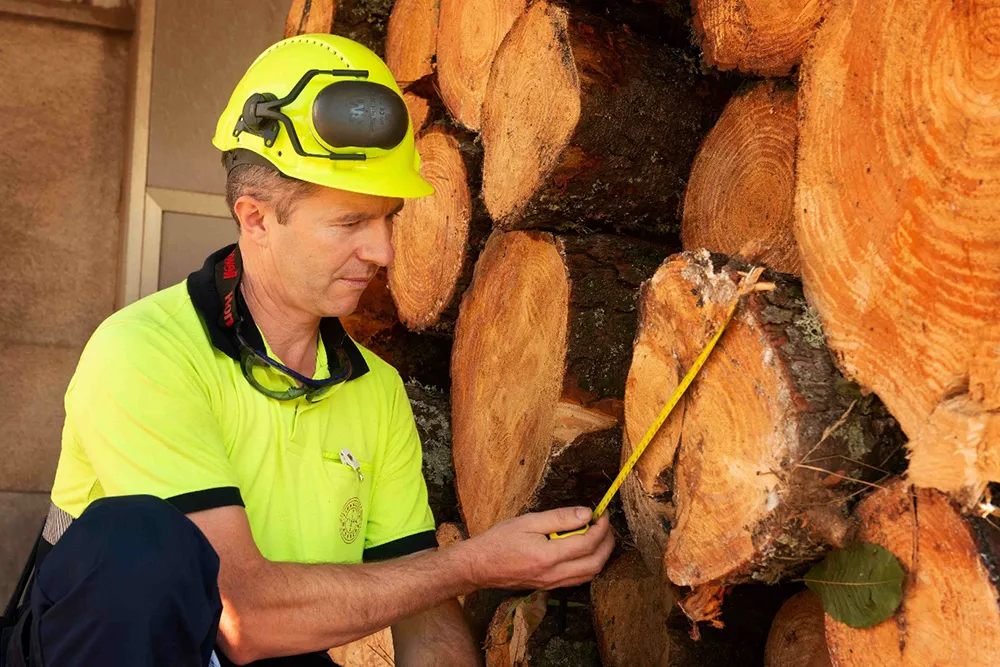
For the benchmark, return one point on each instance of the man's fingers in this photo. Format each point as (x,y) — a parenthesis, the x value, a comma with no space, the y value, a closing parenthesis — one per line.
(577,546)
(584,568)
(559,520)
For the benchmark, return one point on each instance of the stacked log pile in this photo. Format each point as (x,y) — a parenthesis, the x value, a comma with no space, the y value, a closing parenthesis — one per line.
(601,189)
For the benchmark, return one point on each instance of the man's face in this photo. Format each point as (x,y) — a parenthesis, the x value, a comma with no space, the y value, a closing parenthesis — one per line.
(329,249)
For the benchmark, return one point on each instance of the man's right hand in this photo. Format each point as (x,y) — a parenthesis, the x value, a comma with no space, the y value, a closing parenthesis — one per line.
(518,553)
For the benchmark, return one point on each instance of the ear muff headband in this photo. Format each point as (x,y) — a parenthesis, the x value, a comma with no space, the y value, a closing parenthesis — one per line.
(360,114)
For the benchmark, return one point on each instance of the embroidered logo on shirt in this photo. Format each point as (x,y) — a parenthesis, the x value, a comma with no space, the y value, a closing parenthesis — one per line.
(350,520)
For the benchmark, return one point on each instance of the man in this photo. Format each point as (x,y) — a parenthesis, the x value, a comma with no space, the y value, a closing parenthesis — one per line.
(236,399)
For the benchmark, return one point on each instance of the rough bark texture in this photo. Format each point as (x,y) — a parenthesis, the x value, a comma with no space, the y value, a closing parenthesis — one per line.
(542,345)
(741,193)
(756,36)
(471,32)
(432,414)
(898,219)
(364,21)
(437,238)
(588,126)
(309,16)
(376,325)
(949,614)
(797,637)
(756,489)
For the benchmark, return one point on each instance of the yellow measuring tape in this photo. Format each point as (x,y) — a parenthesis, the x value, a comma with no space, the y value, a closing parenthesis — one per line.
(665,412)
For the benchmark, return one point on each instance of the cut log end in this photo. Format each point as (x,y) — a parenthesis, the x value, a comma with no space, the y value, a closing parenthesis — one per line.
(411,39)
(470,34)
(756,36)
(897,174)
(629,607)
(310,16)
(429,236)
(949,614)
(742,507)
(504,404)
(957,450)
(797,637)
(542,346)
(530,111)
(742,186)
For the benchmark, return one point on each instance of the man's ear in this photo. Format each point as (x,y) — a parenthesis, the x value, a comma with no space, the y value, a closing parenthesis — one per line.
(256,218)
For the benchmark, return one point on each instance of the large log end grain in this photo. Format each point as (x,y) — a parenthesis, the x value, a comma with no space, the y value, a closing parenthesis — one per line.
(541,352)
(756,36)
(503,404)
(741,191)
(310,16)
(798,637)
(587,125)
(429,235)
(949,614)
(757,458)
(898,217)
(410,48)
(470,33)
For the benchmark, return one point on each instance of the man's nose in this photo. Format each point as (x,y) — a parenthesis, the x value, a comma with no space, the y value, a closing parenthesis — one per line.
(377,245)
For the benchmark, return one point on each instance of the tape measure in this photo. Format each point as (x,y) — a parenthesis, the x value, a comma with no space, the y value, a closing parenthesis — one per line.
(665,412)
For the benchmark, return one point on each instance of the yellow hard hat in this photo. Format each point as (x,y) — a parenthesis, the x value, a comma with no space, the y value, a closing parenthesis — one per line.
(324,109)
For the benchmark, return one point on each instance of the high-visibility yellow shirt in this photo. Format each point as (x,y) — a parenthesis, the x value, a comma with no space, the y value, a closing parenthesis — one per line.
(159,405)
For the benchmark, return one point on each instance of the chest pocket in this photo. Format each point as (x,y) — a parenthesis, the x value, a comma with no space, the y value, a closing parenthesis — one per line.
(350,480)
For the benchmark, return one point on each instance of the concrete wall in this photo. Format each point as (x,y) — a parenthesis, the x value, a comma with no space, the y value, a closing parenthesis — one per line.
(62,147)
(61,156)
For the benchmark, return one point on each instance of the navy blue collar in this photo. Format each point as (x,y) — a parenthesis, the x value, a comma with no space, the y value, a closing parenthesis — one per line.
(217,312)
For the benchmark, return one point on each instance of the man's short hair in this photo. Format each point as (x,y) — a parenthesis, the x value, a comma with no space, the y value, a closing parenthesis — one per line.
(267,185)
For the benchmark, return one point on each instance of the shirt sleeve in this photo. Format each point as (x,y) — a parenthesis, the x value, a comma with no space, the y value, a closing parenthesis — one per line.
(142,416)
(401,521)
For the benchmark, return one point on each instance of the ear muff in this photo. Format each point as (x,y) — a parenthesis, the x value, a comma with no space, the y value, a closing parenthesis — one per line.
(360,113)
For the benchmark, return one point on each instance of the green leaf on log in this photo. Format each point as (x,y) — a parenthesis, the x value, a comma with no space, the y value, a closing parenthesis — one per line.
(861,585)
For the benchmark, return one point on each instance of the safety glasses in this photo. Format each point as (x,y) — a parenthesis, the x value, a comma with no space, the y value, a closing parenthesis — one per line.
(256,366)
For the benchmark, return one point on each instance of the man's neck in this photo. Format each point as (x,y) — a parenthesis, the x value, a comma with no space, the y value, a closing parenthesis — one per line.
(292,334)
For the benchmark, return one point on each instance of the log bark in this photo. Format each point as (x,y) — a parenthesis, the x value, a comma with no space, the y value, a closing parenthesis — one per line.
(410,49)
(629,607)
(949,614)
(432,414)
(310,16)
(471,31)
(797,637)
(757,459)
(587,126)
(364,21)
(741,193)
(437,238)
(898,220)
(542,344)
(756,36)
(375,324)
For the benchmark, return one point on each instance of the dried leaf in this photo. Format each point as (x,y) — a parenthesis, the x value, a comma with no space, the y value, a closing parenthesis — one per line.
(513,623)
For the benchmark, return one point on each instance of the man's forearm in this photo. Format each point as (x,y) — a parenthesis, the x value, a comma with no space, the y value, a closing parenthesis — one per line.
(290,608)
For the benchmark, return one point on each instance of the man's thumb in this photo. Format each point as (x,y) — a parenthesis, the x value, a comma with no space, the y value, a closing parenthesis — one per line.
(563,519)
